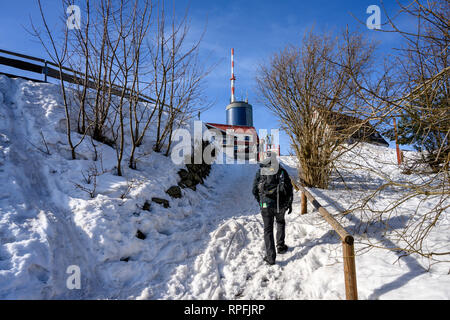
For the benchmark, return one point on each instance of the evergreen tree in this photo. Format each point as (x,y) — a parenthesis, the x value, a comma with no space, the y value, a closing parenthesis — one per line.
(425,124)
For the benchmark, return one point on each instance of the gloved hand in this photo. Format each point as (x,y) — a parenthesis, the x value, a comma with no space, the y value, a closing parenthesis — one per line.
(290,209)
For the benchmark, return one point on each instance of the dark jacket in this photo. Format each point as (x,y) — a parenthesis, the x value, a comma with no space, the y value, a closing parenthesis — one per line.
(284,201)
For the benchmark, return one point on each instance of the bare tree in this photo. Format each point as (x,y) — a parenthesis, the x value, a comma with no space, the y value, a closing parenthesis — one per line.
(114,62)
(421,100)
(58,51)
(305,87)
(130,23)
(82,49)
(138,114)
(177,74)
(424,68)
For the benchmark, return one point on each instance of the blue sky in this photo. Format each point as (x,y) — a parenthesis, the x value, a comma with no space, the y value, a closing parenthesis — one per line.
(255,28)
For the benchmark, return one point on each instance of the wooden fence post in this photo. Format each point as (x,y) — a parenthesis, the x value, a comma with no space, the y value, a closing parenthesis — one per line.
(399,155)
(348,252)
(303,203)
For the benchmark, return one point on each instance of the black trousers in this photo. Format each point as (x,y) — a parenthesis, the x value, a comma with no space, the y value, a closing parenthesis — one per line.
(269,215)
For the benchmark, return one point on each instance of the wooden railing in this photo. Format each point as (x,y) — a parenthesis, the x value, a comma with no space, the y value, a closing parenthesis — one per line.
(348,251)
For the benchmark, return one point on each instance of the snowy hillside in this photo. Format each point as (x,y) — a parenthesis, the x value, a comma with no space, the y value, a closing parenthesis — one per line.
(206,245)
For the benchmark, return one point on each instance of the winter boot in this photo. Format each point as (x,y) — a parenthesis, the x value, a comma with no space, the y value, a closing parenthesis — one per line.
(282,249)
(269,261)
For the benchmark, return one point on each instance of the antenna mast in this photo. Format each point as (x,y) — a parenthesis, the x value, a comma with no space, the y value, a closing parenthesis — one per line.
(233,78)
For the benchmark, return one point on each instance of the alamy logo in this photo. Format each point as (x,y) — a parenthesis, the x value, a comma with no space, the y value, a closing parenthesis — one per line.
(374,20)
(74,280)
(74,19)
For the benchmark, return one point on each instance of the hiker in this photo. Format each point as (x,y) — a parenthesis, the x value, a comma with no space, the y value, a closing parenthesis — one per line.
(272,189)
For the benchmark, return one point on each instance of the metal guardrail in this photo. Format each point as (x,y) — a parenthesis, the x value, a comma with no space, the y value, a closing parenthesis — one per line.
(70,75)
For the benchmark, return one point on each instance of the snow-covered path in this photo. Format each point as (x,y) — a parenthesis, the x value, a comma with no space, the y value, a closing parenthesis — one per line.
(213,223)
(230,264)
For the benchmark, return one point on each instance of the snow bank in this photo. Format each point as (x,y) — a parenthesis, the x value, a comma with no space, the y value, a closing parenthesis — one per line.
(207,245)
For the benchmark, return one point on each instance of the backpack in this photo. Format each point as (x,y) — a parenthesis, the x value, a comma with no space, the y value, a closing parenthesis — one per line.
(271,185)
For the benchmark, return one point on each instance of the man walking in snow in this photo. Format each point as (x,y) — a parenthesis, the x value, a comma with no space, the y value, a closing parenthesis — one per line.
(273,190)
